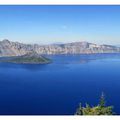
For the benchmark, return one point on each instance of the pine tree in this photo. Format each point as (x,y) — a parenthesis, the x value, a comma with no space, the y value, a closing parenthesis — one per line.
(100,109)
(102,100)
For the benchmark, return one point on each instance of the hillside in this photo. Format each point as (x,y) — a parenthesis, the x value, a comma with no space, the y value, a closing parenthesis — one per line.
(29,58)
(9,48)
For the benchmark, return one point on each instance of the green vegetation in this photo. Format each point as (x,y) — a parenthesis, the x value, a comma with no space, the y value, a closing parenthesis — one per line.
(30,58)
(100,109)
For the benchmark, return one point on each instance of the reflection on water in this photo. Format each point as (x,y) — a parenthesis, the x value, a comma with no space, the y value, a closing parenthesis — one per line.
(83,58)
(31,67)
(57,88)
(60,59)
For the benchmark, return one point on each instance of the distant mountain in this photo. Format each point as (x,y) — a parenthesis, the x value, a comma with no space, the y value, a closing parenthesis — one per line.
(9,48)
(57,43)
(117,45)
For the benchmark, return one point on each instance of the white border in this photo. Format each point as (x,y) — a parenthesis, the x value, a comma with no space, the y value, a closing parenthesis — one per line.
(62,2)
(59,118)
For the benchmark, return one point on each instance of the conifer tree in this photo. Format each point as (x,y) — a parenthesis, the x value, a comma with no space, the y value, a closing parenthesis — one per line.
(102,100)
(100,109)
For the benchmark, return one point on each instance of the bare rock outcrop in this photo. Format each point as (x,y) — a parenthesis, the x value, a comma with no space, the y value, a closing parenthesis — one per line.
(9,48)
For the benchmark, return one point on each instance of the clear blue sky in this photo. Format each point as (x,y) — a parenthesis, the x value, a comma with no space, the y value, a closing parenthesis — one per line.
(51,24)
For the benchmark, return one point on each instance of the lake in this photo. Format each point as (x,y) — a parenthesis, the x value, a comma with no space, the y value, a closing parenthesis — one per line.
(59,87)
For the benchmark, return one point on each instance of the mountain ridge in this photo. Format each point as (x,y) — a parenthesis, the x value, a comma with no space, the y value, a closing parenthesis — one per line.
(9,48)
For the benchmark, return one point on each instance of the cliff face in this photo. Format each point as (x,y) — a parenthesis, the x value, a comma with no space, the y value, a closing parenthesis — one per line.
(8,48)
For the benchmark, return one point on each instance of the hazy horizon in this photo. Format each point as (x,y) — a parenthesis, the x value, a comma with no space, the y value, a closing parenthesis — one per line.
(60,24)
(59,42)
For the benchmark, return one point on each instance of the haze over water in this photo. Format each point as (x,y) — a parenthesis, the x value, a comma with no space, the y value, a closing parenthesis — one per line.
(59,87)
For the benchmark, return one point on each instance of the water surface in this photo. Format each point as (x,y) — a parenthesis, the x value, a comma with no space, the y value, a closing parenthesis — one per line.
(59,87)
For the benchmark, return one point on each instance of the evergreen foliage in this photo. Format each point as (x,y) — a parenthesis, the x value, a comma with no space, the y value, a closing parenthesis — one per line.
(100,109)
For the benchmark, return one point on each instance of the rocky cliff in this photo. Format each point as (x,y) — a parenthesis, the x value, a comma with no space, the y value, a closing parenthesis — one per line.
(9,48)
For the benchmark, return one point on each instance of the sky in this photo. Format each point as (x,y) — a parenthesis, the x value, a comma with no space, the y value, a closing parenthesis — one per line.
(60,24)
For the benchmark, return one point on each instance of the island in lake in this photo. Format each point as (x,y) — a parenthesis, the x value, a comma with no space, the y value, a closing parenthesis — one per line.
(29,58)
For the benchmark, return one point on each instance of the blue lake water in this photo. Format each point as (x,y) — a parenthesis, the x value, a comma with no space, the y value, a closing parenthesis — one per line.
(59,87)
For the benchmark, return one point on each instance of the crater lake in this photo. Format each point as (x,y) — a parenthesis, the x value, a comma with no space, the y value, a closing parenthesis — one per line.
(59,87)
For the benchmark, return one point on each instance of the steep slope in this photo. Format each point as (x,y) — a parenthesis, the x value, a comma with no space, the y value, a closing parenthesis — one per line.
(8,48)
